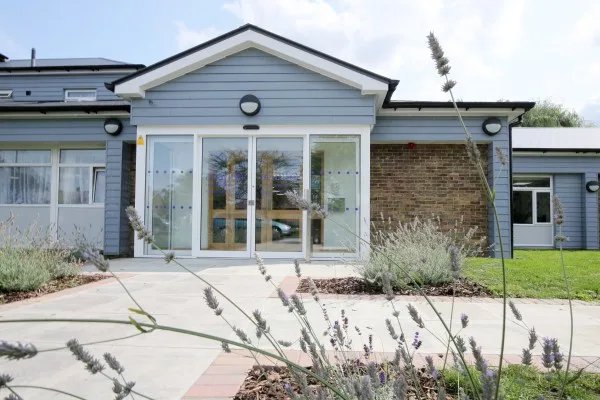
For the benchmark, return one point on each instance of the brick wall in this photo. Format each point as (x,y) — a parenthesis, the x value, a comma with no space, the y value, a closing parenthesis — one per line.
(429,180)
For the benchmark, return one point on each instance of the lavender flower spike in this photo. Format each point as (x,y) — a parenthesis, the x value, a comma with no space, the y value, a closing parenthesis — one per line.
(414,314)
(17,351)
(464,320)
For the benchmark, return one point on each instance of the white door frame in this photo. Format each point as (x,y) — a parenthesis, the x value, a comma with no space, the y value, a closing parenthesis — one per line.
(198,132)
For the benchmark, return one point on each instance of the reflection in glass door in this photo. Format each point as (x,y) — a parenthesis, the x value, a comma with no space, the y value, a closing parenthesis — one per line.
(224,194)
(278,223)
(169,192)
(334,185)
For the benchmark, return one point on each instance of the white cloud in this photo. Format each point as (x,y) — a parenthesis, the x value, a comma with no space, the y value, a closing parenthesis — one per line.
(514,49)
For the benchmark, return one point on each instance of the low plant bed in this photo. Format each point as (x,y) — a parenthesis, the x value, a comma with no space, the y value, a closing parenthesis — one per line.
(55,285)
(270,382)
(355,285)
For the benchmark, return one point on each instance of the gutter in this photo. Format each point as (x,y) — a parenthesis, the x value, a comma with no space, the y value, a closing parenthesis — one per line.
(66,107)
(69,68)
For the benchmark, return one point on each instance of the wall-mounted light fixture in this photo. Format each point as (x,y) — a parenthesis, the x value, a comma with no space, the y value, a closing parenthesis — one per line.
(592,186)
(250,105)
(113,126)
(491,126)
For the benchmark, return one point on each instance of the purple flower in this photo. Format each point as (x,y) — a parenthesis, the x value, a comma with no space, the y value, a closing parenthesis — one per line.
(382,378)
(464,320)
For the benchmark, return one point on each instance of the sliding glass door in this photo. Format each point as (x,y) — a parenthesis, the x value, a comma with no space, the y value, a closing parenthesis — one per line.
(225,196)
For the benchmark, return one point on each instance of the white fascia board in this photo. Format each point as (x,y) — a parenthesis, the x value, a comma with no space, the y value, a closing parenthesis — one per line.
(556,138)
(451,112)
(137,86)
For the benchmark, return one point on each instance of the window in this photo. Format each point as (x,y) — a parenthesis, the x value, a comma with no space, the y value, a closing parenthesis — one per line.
(80,94)
(81,176)
(5,94)
(531,200)
(25,176)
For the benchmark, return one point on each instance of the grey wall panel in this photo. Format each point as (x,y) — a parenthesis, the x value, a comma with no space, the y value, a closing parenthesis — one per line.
(401,129)
(570,175)
(57,130)
(289,94)
(568,188)
(117,234)
(50,87)
(81,224)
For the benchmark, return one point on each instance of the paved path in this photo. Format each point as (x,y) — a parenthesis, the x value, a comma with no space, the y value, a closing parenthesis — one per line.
(166,365)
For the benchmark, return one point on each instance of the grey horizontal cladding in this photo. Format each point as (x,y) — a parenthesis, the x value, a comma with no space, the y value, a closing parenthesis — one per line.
(50,87)
(554,164)
(390,129)
(57,130)
(289,94)
(568,188)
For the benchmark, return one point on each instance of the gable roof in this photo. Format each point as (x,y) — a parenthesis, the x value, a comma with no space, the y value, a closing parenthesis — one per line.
(135,84)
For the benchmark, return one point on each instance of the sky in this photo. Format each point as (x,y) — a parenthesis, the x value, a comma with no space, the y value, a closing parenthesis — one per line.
(499,49)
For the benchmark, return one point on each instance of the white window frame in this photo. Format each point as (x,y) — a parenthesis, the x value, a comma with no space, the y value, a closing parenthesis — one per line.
(95,171)
(17,164)
(69,92)
(91,168)
(535,190)
(5,94)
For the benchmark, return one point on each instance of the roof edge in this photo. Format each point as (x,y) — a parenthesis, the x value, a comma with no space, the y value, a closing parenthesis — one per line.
(66,107)
(526,105)
(90,67)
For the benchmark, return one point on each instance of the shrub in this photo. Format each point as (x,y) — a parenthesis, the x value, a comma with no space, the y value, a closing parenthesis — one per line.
(421,249)
(31,258)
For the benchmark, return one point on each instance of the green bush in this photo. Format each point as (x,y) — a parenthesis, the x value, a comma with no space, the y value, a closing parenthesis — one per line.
(421,249)
(31,258)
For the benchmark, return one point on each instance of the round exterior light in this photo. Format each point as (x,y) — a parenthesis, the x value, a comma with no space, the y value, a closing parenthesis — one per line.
(492,126)
(592,186)
(113,126)
(250,105)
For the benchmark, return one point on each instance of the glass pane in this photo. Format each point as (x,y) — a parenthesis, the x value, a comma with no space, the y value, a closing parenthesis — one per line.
(8,156)
(169,187)
(521,182)
(88,156)
(225,193)
(25,156)
(543,206)
(522,207)
(99,185)
(334,186)
(33,156)
(25,185)
(278,222)
(74,185)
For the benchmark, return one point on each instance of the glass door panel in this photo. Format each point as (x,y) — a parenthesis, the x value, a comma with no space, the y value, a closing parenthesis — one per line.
(278,223)
(224,194)
(334,185)
(169,192)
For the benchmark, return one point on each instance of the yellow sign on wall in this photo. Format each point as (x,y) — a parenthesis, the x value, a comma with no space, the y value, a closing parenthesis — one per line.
(140,140)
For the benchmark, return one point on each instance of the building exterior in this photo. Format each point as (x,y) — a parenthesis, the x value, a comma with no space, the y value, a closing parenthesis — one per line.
(564,162)
(206,143)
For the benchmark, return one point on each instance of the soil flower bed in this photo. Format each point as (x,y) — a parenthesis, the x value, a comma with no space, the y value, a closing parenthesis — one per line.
(270,382)
(55,285)
(354,285)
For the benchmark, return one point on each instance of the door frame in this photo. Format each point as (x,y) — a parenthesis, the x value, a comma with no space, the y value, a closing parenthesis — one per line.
(304,131)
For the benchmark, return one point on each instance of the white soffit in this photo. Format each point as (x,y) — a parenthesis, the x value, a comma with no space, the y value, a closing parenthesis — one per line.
(556,138)
(137,86)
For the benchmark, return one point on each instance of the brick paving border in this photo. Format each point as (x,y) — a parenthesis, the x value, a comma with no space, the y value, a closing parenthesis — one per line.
(225,376)
(290,283)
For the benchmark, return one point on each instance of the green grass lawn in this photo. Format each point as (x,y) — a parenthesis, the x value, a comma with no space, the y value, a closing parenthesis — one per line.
(520,382)
(538,273)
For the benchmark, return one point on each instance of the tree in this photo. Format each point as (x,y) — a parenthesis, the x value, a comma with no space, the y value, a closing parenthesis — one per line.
(547,114)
